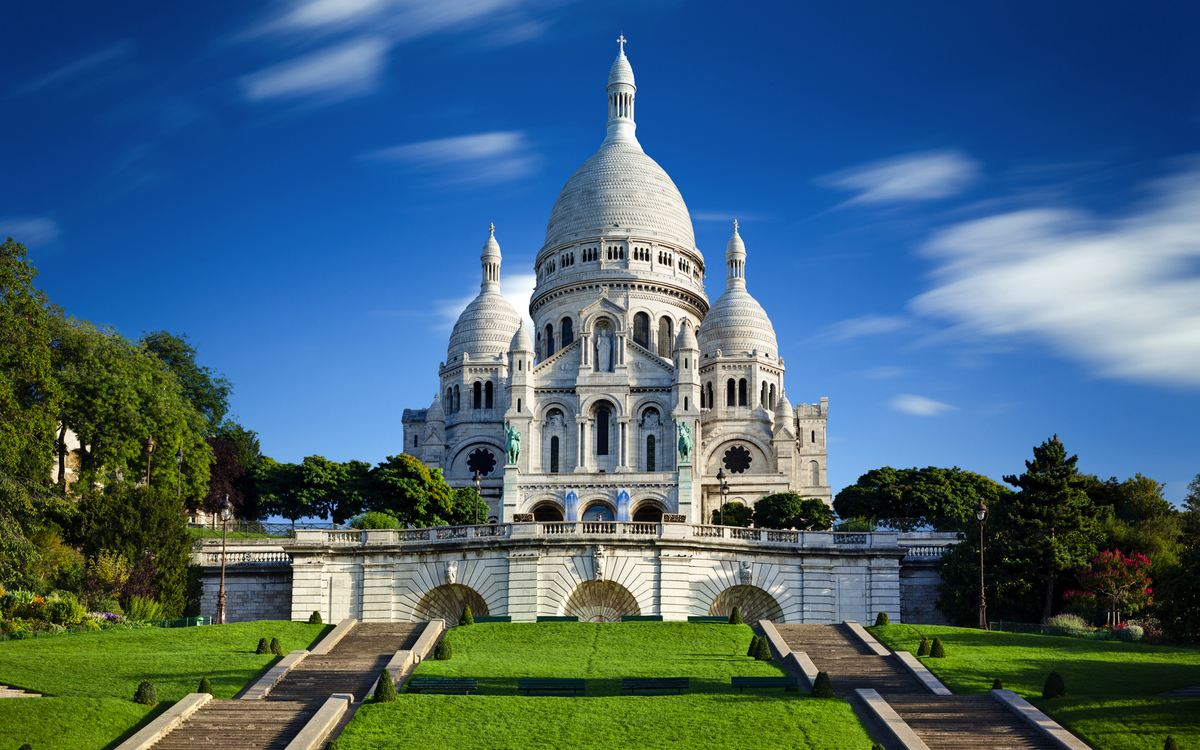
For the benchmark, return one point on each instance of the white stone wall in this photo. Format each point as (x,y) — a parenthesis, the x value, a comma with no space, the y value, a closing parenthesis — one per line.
(252,593)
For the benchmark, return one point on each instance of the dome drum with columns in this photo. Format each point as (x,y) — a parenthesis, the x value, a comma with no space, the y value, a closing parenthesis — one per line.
(626,353)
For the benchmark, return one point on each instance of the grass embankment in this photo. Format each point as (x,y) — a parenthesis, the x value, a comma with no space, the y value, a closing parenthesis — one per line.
(1111,686)
(709,715)
(92,677)
(198,533)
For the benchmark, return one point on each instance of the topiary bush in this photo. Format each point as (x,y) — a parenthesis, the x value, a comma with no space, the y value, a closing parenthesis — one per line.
(1055,686)
(735,617)
(385,692)
(205,686)
(764,650)
(146,694)
(263,647)
(1170,744)
(1130,633)
(937,650)
(997,685)
(467,618)
(315,618)
(882,619)
(923,648)
(26,746)
(876,746)
(333,745)
(276,647)
(823,688)
(753,646)
(443,652)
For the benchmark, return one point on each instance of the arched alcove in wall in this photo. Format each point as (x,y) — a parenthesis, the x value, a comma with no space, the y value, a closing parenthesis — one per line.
(600,601)
(446,602)
(548,512)
(754,604)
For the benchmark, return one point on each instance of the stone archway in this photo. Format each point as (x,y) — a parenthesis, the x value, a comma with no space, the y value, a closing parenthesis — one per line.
(754,604)
(601,601)
(446,602)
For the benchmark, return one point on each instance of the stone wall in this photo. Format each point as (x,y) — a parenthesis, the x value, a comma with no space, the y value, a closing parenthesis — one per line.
(252,592)
(918,592)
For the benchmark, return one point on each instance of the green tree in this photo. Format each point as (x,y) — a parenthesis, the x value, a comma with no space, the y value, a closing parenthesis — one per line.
(208,392)
(787,510)
(736,514)
(275,489)
(29,393)
(1138,519)
(411,491)
(235,453)
(330,489)
(909,498)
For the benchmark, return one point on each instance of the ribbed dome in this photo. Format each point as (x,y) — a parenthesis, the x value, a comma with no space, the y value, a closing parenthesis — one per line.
(621,71)
(620,187)
(521,341)
(736,324)
(485,328)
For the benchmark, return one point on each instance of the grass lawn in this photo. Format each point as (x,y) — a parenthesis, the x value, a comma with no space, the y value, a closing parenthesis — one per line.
(710,715)
(1110,685)
(198,533)
(92,677)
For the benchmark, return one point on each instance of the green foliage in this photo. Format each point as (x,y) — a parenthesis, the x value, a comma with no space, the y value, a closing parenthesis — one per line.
(916,497)
(736,514)
(466,618)
(276,647)
(764,650)
(753,646)
(205,686)
(65,612)
(882,619)
(443,652)
(411,491)
(1055,687)
(937,650)
(735,617)
(787,510)
(997,685)
(1138,519)
(1170,743)
(859,525)
(143,609)
(876,746)
(264,646)
(146,694)
(923,649)
(333,745)
(315,618)
(385,692)
(1179,597)
(207,392)
(822,687)
(375,519)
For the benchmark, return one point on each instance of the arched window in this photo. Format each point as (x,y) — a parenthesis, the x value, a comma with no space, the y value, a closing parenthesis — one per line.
(762,397)
(710,396)
(568,332)
(478,403)
(518,406)
(685,403)
(730,390)
(549,340)
(415,441)
(602,431)
(554,455)
(664,337)
(814,437)
(772,397)
(448,404)
(457,399)
(487,395)
(815,469)
(742,392)
(641,329)
(650,453)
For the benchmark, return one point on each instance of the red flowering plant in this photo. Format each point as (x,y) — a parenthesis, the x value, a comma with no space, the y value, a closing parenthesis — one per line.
(1119,581)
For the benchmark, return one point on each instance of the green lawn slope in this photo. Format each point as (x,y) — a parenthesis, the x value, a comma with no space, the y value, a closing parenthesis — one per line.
(92,677)
(710,715)
(1111,686)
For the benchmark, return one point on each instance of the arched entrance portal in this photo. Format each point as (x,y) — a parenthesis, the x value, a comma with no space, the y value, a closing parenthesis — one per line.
(547,513)
(601,601)
(754,604)
(446,602)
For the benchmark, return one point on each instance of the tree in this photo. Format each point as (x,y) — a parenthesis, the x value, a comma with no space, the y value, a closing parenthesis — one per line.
(1119,579)
(29,393)
(910,498)
(736,514)
(208,392)
(787,510)
(275,489)
(411,491)
(330,489)
(235,452)
(1137,518)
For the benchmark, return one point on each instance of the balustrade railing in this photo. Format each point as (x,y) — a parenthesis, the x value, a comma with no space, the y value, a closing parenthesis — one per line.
(841,537)
(926,550)
(785,537)
(644,529)
(413,535)
(706,531)
(344,536)
(248,558)
(558,528)
(599,528)
(450,532)
(753,535)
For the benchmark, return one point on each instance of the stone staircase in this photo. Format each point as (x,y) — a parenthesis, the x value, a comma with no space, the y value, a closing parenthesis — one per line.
(943,722)
(236,724)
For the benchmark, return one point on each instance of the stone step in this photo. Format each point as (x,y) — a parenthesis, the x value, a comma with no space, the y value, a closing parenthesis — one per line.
(967,721)
(238,725)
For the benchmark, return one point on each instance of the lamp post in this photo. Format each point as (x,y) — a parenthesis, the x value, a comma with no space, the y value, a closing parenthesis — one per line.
(724,493)
(178,471)
(150,446)
(226,510)
(981,514)
(478,496)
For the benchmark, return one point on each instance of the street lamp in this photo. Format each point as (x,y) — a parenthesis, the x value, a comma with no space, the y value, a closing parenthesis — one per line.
(226,511)
(981,514)
(724,493)
(178,471)
(150,446)
(477,496)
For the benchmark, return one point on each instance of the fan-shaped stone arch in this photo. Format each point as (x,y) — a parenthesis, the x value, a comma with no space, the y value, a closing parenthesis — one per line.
(754,604)
(446,602)
(600,601)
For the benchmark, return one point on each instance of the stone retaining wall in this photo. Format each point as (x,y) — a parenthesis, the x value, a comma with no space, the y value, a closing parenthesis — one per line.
(918,592)
(252,592)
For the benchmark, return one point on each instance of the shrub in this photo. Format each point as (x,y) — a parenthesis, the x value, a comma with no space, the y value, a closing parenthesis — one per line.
(107,605)
(386,691)
(823,688)
(315,618)
(1170,744)
(90,625)
(1055,687)
(876,746)
(146,694)
(466,618)
(142,609)
(263,647)
(443,652)
(1071,624)
(764,650)
(997,685)
(276,647)
(65,612)
(205,686)
(753,646)
(333,745)
(1129,633)
(26,746)
(882,619)
(735,617)
(937,650)
(923,648)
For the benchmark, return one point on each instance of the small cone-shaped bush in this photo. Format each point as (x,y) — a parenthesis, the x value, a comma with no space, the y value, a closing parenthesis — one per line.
(937,650)
(146,695)
(443,652)
(882,619)
(205,686)
(315,618)
(386,691)
(26,746)
(467,618)
(764,650)
(923,649)
(823,688)
(735,617)
(1170,744)
(753,646)
(1055,687)
(333,745)
(263,646)
(276,647)
(876,746)
(997,685)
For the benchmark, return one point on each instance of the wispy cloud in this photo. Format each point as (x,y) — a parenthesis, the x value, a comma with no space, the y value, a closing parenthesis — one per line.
(348,70)
(866,325)
(730,216)
(516,288)
(479,159)
(914,177)
(1122,295)
(919,405)
(29,231)
(76,68)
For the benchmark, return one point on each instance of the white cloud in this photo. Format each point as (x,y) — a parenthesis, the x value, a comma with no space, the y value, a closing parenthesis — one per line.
(867,325)
(913,177)
(1122,295)
(919,405)
(883,373)
(71,70)
(340,72)
(730,216)
(516,288)
(29,232)
(483,158)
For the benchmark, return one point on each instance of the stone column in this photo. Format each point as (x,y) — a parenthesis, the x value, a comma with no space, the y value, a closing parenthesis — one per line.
(308,587)
(584,428)
(524,598)
(377,584)
(687,492)
(624,446)
(817,589)
(674,585)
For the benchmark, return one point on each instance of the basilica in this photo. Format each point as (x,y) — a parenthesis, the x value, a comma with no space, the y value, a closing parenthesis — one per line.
(633,394)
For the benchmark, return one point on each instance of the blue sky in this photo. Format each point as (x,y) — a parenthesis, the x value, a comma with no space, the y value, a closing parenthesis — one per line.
(974,225)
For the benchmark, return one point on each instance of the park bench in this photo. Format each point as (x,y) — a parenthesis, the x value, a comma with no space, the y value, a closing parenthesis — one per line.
(455,685)
(553,618)
(641,618)
(493,618)
(708,619)
(659,685)
(550,686)
(789,684)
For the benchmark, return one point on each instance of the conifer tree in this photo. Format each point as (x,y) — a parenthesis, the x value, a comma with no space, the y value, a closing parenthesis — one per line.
(386,691)
(276,647)
(823,688)
(735,617)
(753,646)
(467,618)
(205,686)
(923,647)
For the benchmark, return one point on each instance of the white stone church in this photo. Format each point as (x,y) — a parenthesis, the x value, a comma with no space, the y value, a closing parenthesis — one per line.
(627,354)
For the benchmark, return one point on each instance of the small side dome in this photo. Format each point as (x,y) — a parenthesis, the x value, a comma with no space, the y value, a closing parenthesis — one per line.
(485,328)
(736,324)
(783,409)
(435,413)
(521,341)
(686,338)
(621,71)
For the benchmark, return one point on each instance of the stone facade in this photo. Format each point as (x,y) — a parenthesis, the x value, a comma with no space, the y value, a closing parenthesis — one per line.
(256,592)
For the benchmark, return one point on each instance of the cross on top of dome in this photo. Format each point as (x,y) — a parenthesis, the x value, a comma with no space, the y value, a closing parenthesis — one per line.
(621,41)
